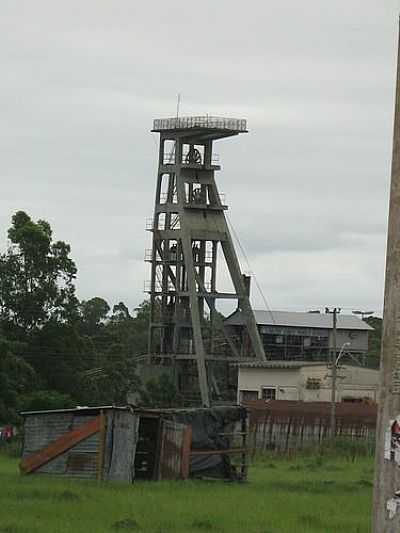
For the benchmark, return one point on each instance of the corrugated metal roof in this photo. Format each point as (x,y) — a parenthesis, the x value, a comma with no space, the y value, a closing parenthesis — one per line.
(76,410)
(280,364)
(301,320)
(137,409)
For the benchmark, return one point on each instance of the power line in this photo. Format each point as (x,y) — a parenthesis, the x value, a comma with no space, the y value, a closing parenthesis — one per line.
(268,308)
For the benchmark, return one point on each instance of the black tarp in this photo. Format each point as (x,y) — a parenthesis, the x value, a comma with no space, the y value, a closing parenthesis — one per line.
(207,426)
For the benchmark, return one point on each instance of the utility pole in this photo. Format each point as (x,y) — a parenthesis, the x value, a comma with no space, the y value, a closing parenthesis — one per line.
(386,514)
(335,311)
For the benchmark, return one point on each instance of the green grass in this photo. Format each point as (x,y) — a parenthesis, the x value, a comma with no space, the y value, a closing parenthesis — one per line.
(304,495)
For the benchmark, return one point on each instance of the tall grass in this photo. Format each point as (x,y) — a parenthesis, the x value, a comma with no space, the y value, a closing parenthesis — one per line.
(306,495)
(12,448)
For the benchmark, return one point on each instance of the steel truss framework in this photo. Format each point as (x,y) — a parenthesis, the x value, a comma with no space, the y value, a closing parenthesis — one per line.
(189,228)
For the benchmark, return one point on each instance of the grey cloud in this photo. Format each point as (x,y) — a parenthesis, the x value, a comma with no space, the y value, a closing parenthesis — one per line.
(308,186)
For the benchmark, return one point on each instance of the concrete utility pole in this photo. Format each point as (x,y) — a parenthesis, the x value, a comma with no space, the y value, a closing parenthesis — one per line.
(335,311)
(386,514)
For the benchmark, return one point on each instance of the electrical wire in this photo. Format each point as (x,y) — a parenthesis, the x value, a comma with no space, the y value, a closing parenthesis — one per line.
(267,306)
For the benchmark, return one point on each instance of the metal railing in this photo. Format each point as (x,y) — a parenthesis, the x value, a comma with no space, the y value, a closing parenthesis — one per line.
(175,224)
(148,256)
(221,123)
(170,286)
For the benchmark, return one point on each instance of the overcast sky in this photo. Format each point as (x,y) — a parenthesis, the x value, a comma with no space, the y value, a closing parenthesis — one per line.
(81,82)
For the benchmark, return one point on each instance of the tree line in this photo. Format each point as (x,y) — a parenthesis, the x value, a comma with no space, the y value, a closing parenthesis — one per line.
(55,350)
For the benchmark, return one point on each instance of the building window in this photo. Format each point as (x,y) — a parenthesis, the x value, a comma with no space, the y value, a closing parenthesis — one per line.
(248,395)
(269,393)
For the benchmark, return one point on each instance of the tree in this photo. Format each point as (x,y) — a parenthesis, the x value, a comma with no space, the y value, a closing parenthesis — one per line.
(93,312)
(120,313)
(374,340)
(36,276)
(68,352)
(160,392)
(45,400)
(117,343)
(17,377)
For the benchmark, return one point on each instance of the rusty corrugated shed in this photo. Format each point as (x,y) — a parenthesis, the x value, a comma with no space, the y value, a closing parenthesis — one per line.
(82,460)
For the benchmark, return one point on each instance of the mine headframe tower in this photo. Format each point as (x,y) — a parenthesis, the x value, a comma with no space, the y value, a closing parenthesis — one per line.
(188,228)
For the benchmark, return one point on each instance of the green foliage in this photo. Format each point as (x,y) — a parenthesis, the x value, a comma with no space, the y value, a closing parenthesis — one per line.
(16,378)
(93,312)
(120,312)
(45,400)
(69,352)
(116,341)
(374,340)
(36,276)
(160,392)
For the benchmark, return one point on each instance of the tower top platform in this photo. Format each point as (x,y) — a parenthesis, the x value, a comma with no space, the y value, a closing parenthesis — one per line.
(223,124)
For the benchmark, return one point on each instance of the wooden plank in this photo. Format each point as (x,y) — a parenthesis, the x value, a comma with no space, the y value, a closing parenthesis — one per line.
(243,468)
(102,445)
(125,437)
(59,446)
(170,463)
(186,451)
(228,451)
(233,434)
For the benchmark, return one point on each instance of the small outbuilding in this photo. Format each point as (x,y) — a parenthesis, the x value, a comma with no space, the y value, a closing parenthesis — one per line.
(125,443)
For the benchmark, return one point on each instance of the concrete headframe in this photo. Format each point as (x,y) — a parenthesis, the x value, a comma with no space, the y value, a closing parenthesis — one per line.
(189,227)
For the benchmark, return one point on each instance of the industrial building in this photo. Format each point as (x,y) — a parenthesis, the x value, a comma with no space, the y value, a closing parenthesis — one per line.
(294,336)
(305,381)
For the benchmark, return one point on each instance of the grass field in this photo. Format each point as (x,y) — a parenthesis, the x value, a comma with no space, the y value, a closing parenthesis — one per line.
(305,495)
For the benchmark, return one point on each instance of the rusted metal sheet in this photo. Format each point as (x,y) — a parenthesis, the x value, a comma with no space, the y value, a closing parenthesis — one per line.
(284,425)
(39,430)
(171,449)
(82,465)
(78,461)
(81,459)
(186,449)
(59,446)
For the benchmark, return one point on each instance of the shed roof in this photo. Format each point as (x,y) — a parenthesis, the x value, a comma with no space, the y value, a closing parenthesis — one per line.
(280,364)
(303,320)
(300,364)
(137,409)
(85,410)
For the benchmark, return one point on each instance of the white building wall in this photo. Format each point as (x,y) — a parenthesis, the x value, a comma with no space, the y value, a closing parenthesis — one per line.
(285,381)
(291,383)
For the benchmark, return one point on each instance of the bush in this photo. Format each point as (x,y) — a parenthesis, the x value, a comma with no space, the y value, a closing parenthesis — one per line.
(45,400)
